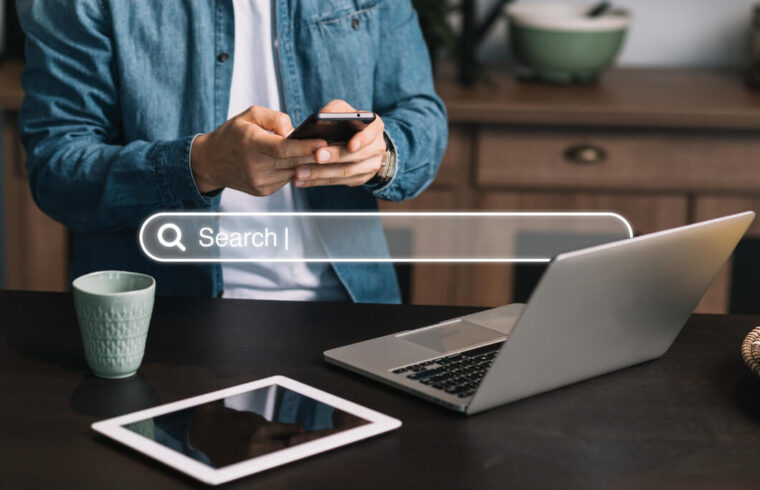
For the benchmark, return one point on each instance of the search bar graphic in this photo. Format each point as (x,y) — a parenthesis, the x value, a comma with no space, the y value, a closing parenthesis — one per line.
(454,237)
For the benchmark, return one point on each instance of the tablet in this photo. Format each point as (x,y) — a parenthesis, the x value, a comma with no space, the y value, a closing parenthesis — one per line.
(245,429)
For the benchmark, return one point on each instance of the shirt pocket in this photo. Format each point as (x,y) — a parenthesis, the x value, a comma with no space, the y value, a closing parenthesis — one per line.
(347,18)
(340,47)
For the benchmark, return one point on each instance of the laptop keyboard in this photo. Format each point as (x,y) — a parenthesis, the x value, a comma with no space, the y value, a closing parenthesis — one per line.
(457,374)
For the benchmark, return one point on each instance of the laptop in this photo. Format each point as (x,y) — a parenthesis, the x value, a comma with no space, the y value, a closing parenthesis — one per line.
(594,311)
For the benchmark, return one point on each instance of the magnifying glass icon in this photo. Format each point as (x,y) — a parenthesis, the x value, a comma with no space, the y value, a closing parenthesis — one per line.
(176,242)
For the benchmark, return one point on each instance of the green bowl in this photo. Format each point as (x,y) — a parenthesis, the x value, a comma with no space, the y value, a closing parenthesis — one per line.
(555,42)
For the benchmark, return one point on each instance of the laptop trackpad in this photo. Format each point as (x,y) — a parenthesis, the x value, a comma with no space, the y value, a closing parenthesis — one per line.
(451,336)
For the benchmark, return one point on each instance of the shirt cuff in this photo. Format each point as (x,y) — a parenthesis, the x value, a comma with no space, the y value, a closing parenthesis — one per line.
(175,176)
(377,189)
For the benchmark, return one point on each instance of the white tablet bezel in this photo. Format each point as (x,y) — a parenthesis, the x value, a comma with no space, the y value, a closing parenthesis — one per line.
(113,428)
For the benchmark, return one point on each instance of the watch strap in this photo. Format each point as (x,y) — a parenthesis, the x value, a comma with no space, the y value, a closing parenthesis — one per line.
(388,165)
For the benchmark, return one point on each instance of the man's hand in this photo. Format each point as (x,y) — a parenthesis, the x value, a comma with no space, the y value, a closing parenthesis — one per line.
(353,164)
(251,153)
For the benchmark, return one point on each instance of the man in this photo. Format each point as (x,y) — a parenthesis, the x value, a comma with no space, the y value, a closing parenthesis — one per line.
(123,98)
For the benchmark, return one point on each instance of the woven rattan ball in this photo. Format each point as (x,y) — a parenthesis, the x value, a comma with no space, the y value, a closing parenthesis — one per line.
(751,350)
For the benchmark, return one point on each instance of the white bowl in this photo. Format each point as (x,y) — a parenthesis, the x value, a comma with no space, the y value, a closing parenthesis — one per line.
(564,16)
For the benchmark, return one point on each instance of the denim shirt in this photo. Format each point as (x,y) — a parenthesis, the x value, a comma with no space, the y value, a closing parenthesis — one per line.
(116,90)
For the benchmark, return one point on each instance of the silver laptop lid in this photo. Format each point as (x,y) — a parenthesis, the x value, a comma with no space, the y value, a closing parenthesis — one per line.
(608,307)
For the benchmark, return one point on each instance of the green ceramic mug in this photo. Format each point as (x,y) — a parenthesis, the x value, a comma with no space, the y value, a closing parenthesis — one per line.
(114,310)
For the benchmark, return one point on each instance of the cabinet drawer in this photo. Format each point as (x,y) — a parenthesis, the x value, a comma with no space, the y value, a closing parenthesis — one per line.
(618,159)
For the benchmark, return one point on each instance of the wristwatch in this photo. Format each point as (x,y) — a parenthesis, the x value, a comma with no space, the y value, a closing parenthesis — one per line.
(387,166)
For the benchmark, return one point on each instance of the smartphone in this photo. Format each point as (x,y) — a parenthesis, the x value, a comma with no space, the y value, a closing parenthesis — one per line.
(334,127)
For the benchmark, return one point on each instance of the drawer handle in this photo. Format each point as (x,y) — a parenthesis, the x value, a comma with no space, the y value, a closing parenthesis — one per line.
(585,154)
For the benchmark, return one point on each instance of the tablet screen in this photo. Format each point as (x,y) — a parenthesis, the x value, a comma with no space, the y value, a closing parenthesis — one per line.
(250,424)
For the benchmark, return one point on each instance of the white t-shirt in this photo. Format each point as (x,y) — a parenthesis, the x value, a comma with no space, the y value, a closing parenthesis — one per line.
(255,82)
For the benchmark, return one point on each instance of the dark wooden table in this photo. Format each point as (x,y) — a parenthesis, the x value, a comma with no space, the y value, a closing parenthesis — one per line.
(689,420)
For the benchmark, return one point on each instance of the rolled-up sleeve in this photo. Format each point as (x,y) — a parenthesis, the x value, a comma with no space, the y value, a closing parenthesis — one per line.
(80,172)
(414,116)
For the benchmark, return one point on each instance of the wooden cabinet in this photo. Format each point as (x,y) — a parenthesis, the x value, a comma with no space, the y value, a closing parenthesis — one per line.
(35,247)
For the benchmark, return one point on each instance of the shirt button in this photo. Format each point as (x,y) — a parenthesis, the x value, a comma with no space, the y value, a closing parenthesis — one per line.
(223,57)
(355,23)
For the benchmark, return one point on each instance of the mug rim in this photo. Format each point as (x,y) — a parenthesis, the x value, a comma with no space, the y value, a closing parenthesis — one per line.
(79,288)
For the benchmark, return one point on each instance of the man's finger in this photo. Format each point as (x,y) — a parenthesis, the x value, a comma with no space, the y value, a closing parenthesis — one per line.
(280,147)
(306,175)
(354,181)
(269,119)
(367,135)
(292,163)
(341,154)
(338,170)
(337,105)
